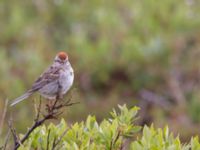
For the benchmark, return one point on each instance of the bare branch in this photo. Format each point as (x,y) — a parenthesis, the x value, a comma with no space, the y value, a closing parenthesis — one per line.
(52,113)
(14,134)
(65,105)
(6,141)
(3,116)
(38,110)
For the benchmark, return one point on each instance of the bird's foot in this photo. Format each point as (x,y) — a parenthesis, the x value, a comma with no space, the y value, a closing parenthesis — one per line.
(51,105)
(48,108)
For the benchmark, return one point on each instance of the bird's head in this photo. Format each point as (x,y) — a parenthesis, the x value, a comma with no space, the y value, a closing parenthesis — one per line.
(61,57)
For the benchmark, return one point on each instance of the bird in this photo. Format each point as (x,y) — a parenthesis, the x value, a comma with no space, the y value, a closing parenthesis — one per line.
(53,83)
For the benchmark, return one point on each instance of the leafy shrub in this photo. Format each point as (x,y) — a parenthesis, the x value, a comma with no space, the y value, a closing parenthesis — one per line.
(110,134)
(158,139)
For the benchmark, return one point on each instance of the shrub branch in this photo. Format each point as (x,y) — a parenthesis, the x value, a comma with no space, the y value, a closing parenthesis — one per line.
(52,113)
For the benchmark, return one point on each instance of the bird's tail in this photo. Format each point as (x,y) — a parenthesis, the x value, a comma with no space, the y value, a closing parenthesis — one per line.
(21,98)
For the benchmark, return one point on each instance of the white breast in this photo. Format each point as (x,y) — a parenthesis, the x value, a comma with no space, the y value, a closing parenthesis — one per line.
(66,79)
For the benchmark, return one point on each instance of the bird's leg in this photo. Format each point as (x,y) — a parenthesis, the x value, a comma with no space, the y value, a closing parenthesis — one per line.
(59,96)
(49,105)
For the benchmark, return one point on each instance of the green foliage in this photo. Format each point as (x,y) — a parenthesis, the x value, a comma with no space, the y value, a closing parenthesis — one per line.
(195,145)
(109,134)
(158,139)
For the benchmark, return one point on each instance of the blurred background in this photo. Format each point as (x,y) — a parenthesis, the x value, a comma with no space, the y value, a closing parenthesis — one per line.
(143,53)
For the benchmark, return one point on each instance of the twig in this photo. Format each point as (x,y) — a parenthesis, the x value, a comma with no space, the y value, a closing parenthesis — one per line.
(113,141)
(48,136)
(117,137)
(6,141)
(55,103)
(3,116)
(13,132)
(56,142)
(66,105)
(38,111)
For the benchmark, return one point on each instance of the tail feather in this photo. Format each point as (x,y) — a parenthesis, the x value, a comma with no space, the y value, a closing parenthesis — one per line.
(21,98)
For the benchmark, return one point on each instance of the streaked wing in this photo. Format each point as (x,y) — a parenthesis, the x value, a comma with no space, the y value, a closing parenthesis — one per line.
(50,75)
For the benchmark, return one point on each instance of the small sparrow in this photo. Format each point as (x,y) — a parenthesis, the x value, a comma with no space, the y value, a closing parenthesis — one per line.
(54,82)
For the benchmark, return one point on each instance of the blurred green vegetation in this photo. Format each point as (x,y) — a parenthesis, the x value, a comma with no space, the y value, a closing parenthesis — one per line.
(109,134)
(120,50)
